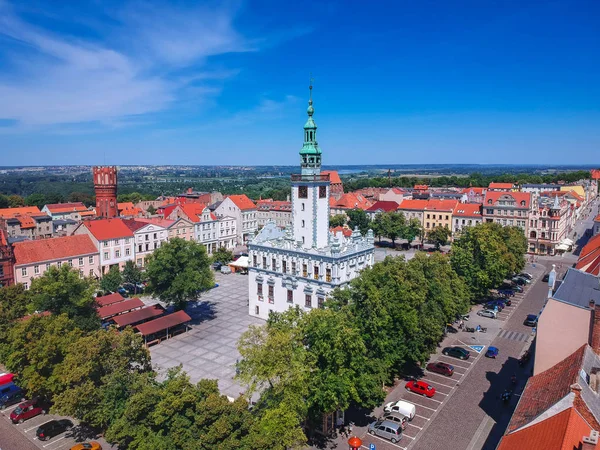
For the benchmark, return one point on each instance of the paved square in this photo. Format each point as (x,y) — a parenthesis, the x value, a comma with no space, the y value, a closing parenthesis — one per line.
(209,349)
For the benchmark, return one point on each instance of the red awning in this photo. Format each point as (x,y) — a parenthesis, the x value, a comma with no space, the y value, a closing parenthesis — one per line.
(133,317)
(162,323)
(117,308)
(109,299)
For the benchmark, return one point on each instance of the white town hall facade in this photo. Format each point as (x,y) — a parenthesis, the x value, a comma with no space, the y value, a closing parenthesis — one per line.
(301,265)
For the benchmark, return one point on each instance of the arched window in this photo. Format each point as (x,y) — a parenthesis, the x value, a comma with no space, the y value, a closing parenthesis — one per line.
(311,135)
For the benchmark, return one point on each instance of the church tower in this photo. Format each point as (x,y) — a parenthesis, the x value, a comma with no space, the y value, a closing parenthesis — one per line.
(310,190)
(105,185)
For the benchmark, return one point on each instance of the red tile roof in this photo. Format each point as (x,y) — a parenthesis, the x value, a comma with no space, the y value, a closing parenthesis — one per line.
(133,317)
(3,241)
(351,200)
(589,258)
(191,211)
(546,389)
(597,218)
(157,221)
(105,229)
(420,187)
(413,205)
(440,205)
(56,208)
(562,431)
(26,221)
(7,213)
(273,205)
(109,299)
(334,177)
(467,210)
(169,321)
(517,196)
(381,205)
(133,224)
(242,201)
(347,232)
(108,311)
(500,186)
(476,190)
(39,250)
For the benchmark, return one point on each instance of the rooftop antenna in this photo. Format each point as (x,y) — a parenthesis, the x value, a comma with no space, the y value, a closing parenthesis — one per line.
(310,88)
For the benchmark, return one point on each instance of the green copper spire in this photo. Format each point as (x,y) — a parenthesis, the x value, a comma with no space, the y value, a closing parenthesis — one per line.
(310,155)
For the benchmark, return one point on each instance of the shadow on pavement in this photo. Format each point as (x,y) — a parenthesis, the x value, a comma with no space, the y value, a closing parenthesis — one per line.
(200,311)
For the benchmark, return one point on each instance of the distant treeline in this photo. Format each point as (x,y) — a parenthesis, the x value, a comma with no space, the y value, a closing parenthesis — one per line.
(474,179)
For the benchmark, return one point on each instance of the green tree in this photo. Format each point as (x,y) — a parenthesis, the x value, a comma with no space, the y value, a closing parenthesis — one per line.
(516,244)
(338,220)
(439,236)
(14,201)
(111,280)
(222,255)
(86,199)
(151,210)
(63,291)
(358,218)
(412,229)
(38,200)
(179,271)
(132,274)
(13,306)
(4,201)
(379,225)
(394,225)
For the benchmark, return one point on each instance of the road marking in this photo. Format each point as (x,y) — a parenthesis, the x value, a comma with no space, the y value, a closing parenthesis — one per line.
(33,428)
(422,417)
(8,409)
(441,384)
(54,441)
(410,392)
(385,440)
(427,407)
(461,367)
(420,428)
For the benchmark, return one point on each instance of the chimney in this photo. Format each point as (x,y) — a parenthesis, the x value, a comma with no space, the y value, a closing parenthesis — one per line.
(590,442)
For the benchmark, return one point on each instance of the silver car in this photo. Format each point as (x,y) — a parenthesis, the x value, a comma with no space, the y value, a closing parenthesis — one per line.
(487,313)
(387,430)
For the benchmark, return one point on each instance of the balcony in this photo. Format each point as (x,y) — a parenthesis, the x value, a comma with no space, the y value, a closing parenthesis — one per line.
(320,177)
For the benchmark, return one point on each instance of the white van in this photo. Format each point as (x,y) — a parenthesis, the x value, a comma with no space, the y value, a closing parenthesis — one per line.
(405,408)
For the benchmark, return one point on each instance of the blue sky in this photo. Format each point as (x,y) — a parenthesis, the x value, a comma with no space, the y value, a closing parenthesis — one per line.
(225,82)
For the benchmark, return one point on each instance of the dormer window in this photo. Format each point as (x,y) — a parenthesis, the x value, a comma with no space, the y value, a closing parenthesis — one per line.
(489,201)
(523,203)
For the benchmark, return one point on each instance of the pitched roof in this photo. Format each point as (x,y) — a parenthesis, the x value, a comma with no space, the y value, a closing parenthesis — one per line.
(109,299)
(3,241)
(40,250)
(242,201)
(351,200)
(467,210)
(120,307)
(6,213)
(162,323)
(56,208)
(26,221)
(476,190)
(347,232)
(519,197)
(139,315)
(381,205)
(500,186)
(562,431)
(105,229)
(125,205)
(397,190)
(546,389)
(440,205)
(334,177)
(157,221)
(273,205)
(589,258)
(420,187)
(413,205)
(578,288)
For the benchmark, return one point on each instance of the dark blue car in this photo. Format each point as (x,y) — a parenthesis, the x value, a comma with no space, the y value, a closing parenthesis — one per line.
(492,352)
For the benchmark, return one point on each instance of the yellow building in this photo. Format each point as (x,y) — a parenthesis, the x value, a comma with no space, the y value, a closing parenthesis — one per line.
(578,189)
(438,213)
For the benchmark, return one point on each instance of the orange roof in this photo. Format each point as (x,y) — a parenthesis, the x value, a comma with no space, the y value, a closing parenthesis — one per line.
(413,205)
(347,232)
(546,389)
(273,205)
(26,221)
(562,431)
(157,221)
(595,174)
(3,241)
(517,196)
(8,213)
(476,190)
(351,200)
(467,210)
(87,213)
(440,205)
(589,258)
(420,187)
(500,186)
(192,210)
(597,218)
(56,208)
(168,321)
(386,206)
(105,229)
(40,250)
(119,307)
(334,177)
(242,201)
(125,205)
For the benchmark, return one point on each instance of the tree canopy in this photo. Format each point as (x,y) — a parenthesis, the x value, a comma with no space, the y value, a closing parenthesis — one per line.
(358,218)
(222,255)
(111,280)
(338,220)
(439,236)
(179,271)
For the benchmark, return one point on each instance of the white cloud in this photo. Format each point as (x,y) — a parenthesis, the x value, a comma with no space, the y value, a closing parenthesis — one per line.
(62,80)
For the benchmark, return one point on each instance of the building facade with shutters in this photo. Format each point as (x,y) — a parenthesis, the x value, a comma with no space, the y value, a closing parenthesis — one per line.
(301,265)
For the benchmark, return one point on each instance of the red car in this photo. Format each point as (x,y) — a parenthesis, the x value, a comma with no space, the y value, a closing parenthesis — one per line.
(27,410)
(441,368)
(420,387)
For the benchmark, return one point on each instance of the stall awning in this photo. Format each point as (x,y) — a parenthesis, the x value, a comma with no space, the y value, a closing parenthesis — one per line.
(562,247)
(161,324)
(242,262)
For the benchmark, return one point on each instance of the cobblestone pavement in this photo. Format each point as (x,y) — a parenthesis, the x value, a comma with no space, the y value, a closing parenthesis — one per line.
(209,349)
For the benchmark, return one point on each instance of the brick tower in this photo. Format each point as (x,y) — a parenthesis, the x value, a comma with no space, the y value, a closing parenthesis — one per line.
(105,185)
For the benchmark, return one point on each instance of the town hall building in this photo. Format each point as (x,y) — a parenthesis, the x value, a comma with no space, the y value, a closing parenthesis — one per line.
(302,264)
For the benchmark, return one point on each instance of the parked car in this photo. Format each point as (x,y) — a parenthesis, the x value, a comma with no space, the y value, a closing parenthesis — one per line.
(441,368)
(397,417)
(6,378)
(487,313)
(519,281)
(492,352)
(530,320)
(402,407)
(225,269)
(92,445)
(421,388)
(53,428)
(457,352)
(506,292)
(27,410)
(121,290)
(518,288)
(450,329)
(546,278)
(494,305)
(11,396)
(526,275)
(217,265)
(386,429)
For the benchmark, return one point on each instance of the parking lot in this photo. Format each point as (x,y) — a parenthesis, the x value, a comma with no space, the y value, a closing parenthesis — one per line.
(63,441)
(209,349)
(428,409)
